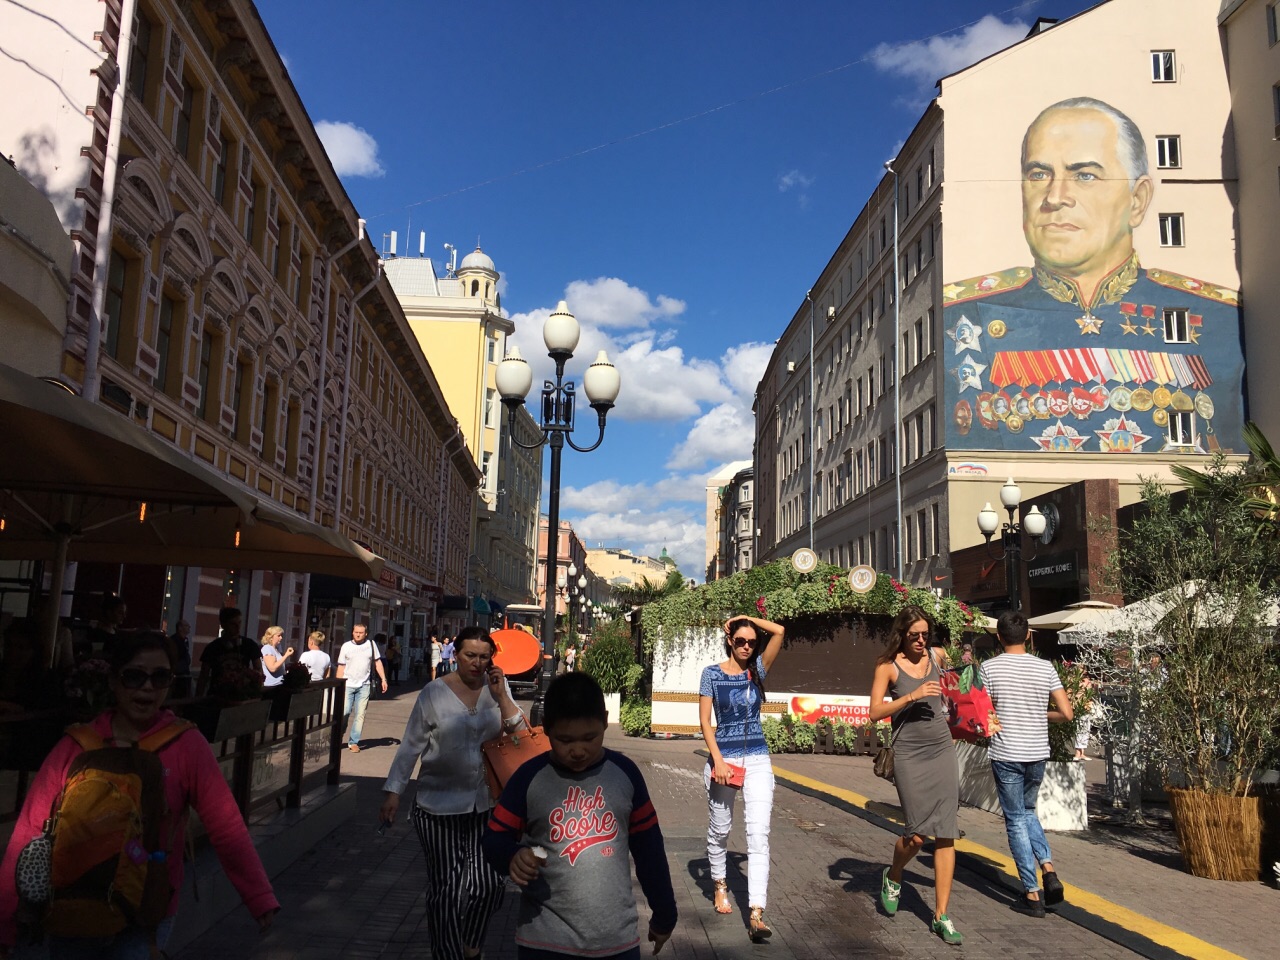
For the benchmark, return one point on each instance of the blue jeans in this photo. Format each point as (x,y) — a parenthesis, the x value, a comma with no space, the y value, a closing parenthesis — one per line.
(357,700)
(1018,785)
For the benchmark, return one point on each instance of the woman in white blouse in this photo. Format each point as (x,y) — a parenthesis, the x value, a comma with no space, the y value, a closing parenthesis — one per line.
(453,716)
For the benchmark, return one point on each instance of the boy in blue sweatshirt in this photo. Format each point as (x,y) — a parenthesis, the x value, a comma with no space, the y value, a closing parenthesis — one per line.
(562,830)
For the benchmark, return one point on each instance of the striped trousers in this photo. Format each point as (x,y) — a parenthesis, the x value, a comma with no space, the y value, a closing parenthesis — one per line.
(463,891)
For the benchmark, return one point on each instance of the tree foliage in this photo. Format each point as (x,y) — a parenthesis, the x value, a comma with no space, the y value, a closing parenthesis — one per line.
(1196,687)
(611,659)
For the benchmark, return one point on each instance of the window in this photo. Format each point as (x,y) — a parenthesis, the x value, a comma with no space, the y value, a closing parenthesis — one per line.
(203,373)
(182,129)
(1181,428)
(1275,103)
(251,213)
(884,236)
(1175,325)
(164,340)
(493,349)
(1169,152)
(919,183)
(267,419)
(929,169)
(1272,33)
(922,536)
(1163,67)
(113,306)
(140,58)
(920,351)
(238,400)
(220,171)
(1171,234)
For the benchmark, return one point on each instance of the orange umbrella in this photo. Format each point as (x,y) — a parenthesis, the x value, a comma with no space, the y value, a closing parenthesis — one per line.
(518,652)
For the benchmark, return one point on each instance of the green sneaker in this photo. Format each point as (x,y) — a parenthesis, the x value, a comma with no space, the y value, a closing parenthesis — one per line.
(890,893)
(944,928)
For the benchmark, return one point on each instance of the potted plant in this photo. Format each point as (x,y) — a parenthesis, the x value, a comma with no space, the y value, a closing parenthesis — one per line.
(824,743)
(1197,654)
(845,738)
(88,689)
(803,735)
(611,659)
(234,707)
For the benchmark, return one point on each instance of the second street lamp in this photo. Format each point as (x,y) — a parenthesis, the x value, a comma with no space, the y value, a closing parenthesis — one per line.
(1032,525)
(514,379)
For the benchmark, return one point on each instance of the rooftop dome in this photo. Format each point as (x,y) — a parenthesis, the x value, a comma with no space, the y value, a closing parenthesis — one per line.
(477,259)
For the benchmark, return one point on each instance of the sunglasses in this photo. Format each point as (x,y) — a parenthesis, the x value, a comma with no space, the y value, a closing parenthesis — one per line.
(743,641)
(918,635)
(135,678)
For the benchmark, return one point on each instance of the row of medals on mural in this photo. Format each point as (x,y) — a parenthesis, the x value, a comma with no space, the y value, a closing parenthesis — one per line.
(994,409)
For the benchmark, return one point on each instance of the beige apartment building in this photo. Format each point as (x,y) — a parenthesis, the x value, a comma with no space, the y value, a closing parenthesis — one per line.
(720,522)
(619,567)
(1059,309)
(244,316)
(459,322)
(1251,40)
(730,520)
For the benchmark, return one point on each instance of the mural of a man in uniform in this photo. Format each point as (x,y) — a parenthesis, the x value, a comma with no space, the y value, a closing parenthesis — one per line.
(1087,329)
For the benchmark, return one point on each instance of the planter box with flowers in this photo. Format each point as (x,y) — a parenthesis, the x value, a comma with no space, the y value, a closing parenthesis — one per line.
(234,707)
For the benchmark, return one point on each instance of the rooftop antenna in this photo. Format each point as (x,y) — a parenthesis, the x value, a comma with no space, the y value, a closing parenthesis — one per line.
(453,259)
(422,243)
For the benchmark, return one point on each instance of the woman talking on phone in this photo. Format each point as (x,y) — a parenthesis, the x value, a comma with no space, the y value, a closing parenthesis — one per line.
(453,716)
(739,761)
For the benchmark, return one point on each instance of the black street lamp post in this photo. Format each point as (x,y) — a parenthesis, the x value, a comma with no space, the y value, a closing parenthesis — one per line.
(602,382)
(1032,525)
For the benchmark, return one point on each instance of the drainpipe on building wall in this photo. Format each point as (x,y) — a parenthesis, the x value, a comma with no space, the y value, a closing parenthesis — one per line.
(809,296)
(346,396)
(102,241)
(324,372)
(897,370)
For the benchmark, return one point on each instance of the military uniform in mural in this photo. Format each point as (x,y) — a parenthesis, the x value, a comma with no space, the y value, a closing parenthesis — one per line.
(1033,367)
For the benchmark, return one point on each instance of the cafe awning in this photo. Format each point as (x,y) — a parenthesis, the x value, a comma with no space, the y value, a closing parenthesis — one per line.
(75,477)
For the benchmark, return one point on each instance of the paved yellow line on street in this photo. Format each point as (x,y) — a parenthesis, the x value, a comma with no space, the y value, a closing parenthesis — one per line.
(1153,930)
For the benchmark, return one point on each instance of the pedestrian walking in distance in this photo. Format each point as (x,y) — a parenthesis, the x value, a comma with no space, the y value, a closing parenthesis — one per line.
(562,830)
(1021,686)
(739,759)
(452,717)
(360,665)
(924,761)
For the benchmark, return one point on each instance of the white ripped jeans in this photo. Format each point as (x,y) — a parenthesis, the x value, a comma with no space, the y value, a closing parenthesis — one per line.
(757,802)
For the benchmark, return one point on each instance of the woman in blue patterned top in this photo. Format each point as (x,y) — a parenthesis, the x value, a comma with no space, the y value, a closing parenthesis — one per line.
(734,689)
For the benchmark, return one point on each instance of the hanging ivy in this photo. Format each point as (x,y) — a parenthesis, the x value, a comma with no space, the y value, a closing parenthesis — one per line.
(821,599)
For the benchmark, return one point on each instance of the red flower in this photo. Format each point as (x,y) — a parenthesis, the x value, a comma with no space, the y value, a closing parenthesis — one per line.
(760,606)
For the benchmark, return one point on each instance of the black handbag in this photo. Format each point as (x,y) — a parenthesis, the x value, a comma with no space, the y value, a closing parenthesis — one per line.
(882,766)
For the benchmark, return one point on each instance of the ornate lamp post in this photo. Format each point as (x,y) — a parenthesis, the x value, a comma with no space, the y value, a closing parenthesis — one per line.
(602,382)
(1032,525)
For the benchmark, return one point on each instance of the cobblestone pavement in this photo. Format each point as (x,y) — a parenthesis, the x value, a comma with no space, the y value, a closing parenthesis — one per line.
(359,895)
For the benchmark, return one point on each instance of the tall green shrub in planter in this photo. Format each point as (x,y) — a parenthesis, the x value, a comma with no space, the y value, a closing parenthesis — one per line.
(611,659)
(1201,666)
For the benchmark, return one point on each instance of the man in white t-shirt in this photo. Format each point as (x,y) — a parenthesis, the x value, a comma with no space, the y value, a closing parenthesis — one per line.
(1020,685)
(358,660)
(315,659)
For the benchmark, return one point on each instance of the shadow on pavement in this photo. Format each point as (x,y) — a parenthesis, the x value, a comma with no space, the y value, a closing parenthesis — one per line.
(735,873)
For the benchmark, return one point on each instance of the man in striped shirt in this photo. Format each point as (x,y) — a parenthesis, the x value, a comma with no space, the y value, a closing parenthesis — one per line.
(1021,685)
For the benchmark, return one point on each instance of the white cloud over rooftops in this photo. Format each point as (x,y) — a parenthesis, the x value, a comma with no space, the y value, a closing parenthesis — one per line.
(352,150)
(926,61)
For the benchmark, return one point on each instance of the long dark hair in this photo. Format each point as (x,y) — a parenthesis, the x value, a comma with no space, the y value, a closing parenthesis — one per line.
(753,665)
(898,632)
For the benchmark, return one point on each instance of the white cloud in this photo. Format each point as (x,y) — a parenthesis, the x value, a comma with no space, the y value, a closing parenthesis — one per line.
(794,178)
(925,61)
(352,150)
(610,496)
(681,532)
(725,432)
(610,302)
(659,382)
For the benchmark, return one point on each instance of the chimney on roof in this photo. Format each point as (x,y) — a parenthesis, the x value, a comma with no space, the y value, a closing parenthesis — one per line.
(1041,25)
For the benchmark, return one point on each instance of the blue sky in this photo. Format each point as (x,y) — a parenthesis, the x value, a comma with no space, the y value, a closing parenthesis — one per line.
(680,173)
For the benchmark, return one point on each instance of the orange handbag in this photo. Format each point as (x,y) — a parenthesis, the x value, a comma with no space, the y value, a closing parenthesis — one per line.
(506,753)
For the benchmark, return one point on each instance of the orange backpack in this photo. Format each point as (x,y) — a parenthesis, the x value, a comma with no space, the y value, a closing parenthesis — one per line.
(110,866)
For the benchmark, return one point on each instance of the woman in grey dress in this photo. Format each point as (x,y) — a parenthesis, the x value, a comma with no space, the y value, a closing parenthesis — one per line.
(924,760)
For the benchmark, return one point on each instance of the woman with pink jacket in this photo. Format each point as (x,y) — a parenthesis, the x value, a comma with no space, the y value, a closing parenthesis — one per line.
(142,672)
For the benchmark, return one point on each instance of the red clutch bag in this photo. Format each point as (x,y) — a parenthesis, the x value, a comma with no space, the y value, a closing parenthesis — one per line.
(737,775)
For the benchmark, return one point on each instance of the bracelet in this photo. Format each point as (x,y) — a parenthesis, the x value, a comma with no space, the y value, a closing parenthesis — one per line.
(514,721)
